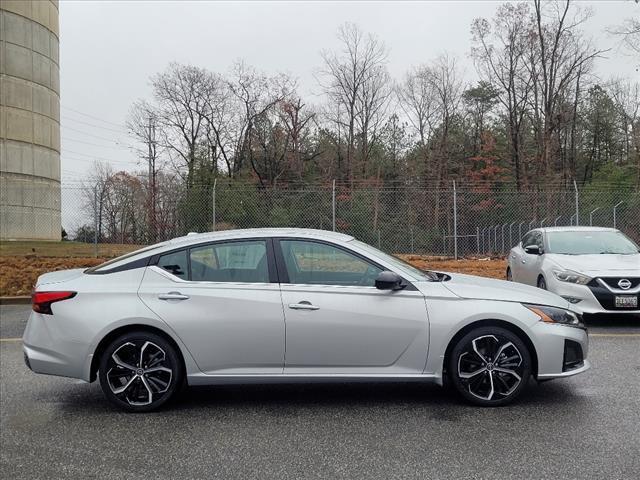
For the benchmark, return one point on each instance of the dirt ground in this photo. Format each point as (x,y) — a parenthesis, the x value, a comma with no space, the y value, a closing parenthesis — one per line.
(20,266)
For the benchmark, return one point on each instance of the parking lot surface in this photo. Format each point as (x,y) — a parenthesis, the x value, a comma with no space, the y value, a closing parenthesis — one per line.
(583,427)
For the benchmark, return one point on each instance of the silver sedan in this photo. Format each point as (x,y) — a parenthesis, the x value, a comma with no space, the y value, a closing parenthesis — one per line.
(293,305)
(596,269)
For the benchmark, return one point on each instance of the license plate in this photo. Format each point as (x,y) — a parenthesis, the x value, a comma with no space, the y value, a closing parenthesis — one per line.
(627,302)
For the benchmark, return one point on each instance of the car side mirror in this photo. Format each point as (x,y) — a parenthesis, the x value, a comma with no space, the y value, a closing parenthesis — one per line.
(387,280)
(533,250)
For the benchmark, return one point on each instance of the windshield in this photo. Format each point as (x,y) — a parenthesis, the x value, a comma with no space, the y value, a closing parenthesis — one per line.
(421,274)
(590,242)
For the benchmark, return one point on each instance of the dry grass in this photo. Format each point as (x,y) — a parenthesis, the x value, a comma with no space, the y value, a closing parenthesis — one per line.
(20,266)
(483,267)
(63,249)
(19,274)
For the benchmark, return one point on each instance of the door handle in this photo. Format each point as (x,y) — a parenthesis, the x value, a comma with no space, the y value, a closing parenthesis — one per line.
(303,306)
(173,296)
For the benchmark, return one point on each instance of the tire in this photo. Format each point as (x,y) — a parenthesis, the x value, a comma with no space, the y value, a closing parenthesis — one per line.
(542,283)
(481,379)
(509,275)
(140,388)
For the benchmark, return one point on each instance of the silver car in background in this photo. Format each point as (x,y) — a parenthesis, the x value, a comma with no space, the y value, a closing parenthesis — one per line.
(596,269)
(293,305)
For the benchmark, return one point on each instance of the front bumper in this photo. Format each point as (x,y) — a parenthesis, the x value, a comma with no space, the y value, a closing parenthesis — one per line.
(562,350)
(586,294)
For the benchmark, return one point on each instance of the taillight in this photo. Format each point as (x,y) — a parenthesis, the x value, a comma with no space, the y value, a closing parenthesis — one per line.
(41,301)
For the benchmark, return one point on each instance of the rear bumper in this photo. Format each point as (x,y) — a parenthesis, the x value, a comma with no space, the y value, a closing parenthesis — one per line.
(49,350)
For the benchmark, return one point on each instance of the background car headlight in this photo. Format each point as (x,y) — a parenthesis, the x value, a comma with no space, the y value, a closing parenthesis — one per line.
(557,315)
(571,277)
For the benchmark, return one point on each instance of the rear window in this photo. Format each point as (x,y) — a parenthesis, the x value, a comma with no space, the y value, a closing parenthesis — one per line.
(175,263)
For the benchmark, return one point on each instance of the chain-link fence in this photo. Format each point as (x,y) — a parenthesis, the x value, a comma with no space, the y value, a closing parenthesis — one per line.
(459,221)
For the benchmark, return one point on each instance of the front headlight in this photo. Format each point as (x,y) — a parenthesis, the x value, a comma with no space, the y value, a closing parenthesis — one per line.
(570,276)
(557,315)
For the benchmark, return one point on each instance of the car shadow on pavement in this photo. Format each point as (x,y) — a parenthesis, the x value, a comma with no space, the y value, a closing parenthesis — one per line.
(363,396)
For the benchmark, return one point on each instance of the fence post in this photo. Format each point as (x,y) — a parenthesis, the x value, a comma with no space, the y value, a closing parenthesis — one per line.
(555,222)
(495,239)
(215,181)
(575,186)
(95,221)
(615,207)
(455,221)
(478,239)
(591,216)
(333,205)
(411,234)
(510,237)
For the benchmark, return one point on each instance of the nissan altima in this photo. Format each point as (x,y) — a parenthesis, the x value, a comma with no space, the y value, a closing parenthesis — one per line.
(293,305)
(597,269)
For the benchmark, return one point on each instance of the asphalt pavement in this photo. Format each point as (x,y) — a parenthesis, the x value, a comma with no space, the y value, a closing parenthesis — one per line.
(582,427)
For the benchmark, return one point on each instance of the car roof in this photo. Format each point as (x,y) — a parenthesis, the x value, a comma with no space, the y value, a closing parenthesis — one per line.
(192,238)
(576,229)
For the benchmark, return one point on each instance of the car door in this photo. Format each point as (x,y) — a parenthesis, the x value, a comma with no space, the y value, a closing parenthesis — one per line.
(518,260)
(337,322)
(532,262)
(223,301)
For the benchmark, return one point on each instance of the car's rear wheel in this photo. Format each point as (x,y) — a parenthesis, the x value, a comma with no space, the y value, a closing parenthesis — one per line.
(509,275)
(490,366)
(140,371)
(542,283)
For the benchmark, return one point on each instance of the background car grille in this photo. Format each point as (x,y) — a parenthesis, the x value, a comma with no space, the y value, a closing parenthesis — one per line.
(606,297)
(613,281)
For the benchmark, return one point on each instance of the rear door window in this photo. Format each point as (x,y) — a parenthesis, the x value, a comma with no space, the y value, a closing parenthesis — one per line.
(244,262)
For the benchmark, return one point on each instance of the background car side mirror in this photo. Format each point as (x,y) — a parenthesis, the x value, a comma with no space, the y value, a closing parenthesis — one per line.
(387,280)
(533,250)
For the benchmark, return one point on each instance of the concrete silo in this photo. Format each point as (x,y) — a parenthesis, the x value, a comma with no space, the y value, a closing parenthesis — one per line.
(29,120)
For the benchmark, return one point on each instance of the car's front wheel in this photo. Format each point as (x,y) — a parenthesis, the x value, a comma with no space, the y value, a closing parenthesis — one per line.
(542,283)
(490,366)
(140,371)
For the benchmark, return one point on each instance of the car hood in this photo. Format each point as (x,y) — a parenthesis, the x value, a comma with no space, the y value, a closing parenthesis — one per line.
(605,265)
(471,286)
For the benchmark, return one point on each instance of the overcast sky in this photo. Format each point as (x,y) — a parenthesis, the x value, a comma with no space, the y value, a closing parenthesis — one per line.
(108,51)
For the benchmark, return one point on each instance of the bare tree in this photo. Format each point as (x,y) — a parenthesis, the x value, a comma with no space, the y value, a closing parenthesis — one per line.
(500,55)
(255,95)
(629,33)
(355,80)
(564,55)
(626,95)
(180,93)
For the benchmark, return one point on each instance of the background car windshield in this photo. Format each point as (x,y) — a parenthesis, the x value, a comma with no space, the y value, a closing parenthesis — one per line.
(585,243)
